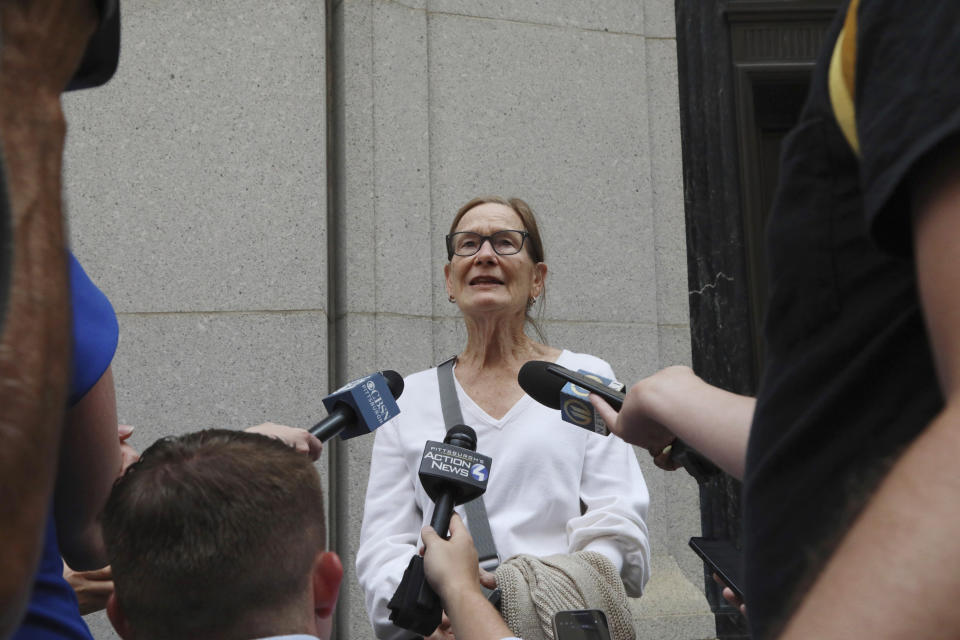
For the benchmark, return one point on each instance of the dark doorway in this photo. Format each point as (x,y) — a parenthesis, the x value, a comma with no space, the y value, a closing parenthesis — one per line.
(744,68)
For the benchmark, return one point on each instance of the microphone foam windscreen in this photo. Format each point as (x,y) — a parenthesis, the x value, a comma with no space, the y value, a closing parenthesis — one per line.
(463,436)
(394,381)
(540,384)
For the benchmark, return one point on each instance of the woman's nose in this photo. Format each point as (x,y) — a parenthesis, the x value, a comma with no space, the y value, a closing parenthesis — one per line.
(486,252)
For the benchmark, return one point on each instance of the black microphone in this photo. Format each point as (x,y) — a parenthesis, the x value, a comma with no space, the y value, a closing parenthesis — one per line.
(544,382)
(360,406)
(451,472)
(560,388)
(555,386)
(451,476)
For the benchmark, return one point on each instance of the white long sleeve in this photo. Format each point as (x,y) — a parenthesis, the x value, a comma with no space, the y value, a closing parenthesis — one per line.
(615,520)
(542,468)
(390,533)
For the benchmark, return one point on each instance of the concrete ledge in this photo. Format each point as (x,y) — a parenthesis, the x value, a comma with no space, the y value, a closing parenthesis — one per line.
(672,608)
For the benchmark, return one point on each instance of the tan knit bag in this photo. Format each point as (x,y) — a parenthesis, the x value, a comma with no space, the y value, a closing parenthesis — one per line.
(534,589)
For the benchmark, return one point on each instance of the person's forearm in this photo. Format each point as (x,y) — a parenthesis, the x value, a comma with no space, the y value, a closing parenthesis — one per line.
(34,348)
(85,477)
(713,421)
(473,617)
(895,573)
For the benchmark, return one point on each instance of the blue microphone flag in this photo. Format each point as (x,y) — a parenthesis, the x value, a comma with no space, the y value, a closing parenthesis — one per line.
(370,398)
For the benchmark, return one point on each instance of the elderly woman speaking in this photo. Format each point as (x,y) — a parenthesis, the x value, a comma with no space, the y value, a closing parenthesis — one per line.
(554,488)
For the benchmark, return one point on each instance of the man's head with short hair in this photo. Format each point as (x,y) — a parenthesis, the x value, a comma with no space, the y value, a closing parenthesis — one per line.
(219,534)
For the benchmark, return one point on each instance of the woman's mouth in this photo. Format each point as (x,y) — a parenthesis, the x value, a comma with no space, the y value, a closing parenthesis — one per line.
(481,280)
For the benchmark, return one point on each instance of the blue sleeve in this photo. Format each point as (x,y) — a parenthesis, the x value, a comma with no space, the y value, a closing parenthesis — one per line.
(95,332)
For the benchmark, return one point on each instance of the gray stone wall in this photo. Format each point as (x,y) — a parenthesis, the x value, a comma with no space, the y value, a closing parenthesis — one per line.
(263,193)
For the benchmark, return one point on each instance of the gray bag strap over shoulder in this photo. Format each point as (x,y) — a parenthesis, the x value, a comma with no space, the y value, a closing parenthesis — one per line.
(476,511)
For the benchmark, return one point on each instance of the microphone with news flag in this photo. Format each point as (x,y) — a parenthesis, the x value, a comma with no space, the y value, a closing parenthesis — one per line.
(452,473)
(557,387)
(360,406)
(568,391)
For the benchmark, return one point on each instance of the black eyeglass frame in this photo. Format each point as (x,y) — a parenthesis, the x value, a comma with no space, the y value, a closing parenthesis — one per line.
(450,252)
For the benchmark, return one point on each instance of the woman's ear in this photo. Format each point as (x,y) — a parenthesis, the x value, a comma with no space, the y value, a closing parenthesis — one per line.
(448,283)
(539,278)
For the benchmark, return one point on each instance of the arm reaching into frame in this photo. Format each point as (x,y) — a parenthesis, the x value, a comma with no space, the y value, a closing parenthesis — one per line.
(676,403)
(894,575)
(93,588)
(452,570)
(92,460)
(40,47)
(299,439)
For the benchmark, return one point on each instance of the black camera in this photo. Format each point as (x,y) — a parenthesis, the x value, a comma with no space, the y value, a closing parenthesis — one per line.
(103,51)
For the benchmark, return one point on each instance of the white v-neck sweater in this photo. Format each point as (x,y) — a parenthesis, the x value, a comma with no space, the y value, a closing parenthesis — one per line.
(542,467)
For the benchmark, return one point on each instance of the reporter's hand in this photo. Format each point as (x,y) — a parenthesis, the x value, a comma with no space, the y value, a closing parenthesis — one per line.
(93,588)
(637,421)
(450,565)
(730,596)
(128,455)
(444,631)
(299,439)
(487,579)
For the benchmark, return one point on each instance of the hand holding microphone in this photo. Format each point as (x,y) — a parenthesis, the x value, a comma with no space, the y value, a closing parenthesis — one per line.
(635,425)
(358,407)
(451,568)
(592,402)
(296,438)
(452,473)
(451,565)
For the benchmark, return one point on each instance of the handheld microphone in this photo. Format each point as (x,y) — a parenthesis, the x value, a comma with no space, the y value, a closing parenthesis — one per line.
(360,406)
(452,473)
(557,387)
(560,388)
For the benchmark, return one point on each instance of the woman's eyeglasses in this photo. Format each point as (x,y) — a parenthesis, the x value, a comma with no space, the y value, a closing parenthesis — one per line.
(467,243)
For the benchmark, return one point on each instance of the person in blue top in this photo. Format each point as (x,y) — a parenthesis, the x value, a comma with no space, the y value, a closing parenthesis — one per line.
(90,459)
(40,47)
(59,446)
